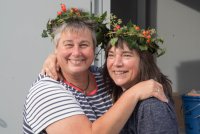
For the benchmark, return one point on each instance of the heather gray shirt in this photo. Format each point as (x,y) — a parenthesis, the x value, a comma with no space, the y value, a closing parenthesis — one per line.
(152,116)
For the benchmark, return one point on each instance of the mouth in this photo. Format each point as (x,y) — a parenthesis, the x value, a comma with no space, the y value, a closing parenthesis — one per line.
(119,72)
(76,61)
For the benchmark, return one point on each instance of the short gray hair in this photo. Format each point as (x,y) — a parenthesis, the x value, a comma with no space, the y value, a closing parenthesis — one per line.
(75,24)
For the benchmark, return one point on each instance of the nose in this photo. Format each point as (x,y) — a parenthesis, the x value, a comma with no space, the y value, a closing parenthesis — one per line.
(118,61)
(76,51)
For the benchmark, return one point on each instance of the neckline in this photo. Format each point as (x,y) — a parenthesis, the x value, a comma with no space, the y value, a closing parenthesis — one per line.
(93,92)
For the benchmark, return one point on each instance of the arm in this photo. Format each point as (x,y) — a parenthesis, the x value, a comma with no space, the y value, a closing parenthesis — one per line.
(113,120)
(51,67)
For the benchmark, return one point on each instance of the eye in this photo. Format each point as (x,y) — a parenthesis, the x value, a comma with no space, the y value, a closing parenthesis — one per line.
(68,45)
(127,55)
(84,45)
(110,55)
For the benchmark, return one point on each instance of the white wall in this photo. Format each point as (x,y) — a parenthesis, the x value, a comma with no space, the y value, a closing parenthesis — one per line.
(22,52)
(178,22)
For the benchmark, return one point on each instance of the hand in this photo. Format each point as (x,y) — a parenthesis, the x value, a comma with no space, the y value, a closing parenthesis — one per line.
(147,89)
(51,68)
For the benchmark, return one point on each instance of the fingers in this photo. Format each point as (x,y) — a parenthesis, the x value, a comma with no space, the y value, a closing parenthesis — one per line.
(147,89)
(158,92)
(50,67)
(51,73)
(42,71)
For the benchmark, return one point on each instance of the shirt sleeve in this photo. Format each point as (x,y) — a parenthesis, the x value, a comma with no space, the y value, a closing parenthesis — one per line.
(156,117)
(47,102)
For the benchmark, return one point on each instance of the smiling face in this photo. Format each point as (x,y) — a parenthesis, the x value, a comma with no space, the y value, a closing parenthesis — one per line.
(123,65)
(75,51)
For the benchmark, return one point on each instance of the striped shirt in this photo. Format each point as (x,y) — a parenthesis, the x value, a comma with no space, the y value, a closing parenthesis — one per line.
(49,101)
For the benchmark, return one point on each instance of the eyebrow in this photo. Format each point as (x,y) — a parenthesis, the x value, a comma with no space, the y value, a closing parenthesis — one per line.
(84,41)
(65,41)
(130,52)
(111,51)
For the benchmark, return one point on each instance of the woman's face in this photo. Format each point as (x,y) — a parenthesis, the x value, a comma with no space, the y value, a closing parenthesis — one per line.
(123,66)
(75,51)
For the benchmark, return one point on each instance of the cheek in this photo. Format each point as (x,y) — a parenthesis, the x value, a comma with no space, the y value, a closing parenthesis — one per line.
(91,53)
(108,64)
(135,68)
(61,55)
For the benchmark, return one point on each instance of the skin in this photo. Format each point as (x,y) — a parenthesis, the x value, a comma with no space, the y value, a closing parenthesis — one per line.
(74,54)
(123,66)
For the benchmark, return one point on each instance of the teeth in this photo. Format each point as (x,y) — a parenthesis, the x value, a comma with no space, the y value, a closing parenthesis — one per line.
(77,61)
(119,72)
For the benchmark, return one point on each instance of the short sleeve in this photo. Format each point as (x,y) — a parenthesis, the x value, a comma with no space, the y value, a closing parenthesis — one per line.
(156,117)
(47,102)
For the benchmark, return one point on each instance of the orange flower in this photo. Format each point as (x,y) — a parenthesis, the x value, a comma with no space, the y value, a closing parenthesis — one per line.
(148,32)
(74,10)
(148,36)
(144,33)
(117,27)
(137,28)
(59,12)
(148,40)
(63,7)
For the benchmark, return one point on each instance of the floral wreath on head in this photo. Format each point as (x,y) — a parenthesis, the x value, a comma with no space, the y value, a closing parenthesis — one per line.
(65,15)
(144,40)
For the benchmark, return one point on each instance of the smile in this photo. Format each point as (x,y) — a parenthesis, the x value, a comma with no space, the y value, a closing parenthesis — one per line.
(119,72)
(76,61)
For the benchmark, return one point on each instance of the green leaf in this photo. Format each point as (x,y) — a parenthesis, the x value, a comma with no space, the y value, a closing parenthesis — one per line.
(143,47)
(44,34)
(129,24)
(113,41)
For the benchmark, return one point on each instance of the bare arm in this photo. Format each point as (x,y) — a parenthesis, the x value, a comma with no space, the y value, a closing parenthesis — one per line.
(51,68)
(115,118)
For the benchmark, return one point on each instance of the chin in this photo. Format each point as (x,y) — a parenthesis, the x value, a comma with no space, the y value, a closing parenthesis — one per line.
(119,83)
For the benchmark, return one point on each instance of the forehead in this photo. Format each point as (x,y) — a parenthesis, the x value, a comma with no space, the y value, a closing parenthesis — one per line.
(77,30)
(121,46)
(76,34)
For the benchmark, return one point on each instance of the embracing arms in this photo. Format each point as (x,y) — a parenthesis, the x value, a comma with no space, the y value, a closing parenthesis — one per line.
(114,119)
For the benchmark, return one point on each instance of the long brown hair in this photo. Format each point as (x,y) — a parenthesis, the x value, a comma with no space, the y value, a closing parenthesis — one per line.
(148,70)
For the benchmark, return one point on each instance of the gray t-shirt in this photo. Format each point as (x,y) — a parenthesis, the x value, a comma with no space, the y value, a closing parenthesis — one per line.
(152,116)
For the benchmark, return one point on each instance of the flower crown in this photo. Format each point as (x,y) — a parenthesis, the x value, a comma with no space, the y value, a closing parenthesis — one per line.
(144,40)
(65,15)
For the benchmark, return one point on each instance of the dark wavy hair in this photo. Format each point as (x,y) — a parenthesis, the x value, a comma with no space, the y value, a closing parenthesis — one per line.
(148,70)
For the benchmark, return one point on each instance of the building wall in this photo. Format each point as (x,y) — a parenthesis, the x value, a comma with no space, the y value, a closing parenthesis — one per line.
(178,23)
(23,51)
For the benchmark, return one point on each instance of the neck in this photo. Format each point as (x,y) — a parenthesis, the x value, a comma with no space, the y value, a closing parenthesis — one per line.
(80,81)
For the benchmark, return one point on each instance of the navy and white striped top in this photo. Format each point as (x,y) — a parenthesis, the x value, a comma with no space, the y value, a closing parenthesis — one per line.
(49,101)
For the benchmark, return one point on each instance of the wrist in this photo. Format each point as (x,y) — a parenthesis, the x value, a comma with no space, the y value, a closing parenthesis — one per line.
(132,95)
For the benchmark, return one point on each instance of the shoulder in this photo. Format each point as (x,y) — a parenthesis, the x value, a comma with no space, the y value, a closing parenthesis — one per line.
(155,109)
(45,84)
(153,113)
(49,101)
(155,105)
